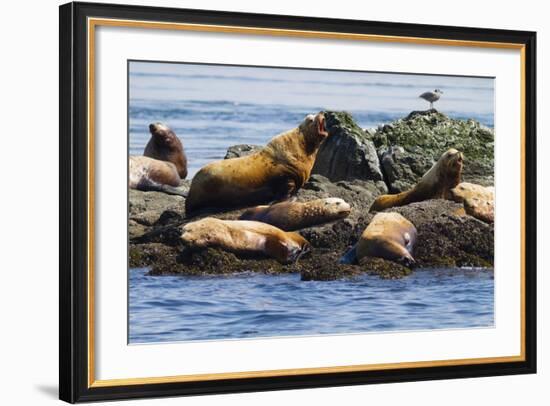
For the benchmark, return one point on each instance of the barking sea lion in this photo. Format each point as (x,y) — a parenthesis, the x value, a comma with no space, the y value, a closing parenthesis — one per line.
(275,172)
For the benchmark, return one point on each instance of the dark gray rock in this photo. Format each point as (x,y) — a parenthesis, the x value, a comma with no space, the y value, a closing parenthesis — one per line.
(402,169)
(237,151)
(146,209)
(348,153)
(447,237)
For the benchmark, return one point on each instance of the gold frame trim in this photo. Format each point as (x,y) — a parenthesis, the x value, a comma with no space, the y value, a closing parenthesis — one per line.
(94,22)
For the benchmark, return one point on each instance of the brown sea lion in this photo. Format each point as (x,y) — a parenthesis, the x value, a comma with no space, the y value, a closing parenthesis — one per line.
(164,145)
(444,175)
(290,216)
(275,172)
(389,236)
(148,174)
(245,237)
(479,201)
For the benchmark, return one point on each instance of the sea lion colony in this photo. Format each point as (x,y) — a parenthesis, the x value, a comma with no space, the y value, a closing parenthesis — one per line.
(271,177)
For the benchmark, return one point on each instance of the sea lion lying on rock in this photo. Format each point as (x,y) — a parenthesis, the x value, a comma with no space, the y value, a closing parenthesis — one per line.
(290,216)
(389,236)
(483,210)
(245,237)
(444,175)
(275,172)
(148,174)
(164,145)
(465,190)
(479,201)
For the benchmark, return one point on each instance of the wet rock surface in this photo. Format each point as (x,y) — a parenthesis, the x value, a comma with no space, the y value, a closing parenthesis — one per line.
(447,236)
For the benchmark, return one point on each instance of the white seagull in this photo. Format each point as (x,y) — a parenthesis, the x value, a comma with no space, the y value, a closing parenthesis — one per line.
(431,96)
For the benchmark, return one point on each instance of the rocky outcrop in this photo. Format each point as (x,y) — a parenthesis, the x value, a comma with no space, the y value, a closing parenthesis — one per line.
(348,153)
(447,236)
(408,147)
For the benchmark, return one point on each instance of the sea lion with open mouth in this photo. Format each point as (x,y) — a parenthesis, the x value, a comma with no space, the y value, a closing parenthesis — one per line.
(275,172)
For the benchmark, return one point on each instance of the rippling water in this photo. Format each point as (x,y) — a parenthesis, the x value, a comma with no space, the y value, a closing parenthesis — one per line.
(213,107)
(177,308)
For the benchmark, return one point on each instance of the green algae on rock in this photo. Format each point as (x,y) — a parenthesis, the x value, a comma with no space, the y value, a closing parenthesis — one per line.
(408,147)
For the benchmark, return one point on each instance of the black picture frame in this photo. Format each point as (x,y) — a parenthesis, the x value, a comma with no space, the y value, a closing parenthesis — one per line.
(74,199)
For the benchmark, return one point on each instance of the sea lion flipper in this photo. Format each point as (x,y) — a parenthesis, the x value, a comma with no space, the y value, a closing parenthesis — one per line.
(350,257)
(171,190)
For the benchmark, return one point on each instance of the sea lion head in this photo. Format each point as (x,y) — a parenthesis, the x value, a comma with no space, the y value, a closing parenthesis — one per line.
(198,233)
(452,162)
(314,129)
(332,207)
(163,135)
(166,146)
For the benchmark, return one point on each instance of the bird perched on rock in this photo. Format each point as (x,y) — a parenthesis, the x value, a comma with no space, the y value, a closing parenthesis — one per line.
(431,96)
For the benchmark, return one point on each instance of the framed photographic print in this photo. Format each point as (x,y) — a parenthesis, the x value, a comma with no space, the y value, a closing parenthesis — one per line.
(256,202)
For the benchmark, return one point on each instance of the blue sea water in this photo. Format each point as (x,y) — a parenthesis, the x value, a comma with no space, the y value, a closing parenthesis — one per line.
(248,305)
(213,107)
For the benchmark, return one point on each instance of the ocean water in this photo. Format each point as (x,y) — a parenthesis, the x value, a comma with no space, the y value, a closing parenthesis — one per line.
(247,305)
(213,107)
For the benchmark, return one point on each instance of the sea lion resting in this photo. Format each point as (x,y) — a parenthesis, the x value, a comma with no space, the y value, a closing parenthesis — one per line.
(245,237)
(444,175)
(148,174)
(164,145)
(389,236)
(479,201)
(275,172)
(290,216)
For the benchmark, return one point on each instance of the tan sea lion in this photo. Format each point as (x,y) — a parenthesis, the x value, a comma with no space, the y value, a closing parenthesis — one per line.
(389,236)
(164,145)
(465,190)
(444,175)
(481,209)
(290,216)
(148,174)
(275,172)
(479,201)
(245,237)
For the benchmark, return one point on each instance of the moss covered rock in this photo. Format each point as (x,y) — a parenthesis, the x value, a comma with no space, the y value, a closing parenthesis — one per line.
(408,147)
